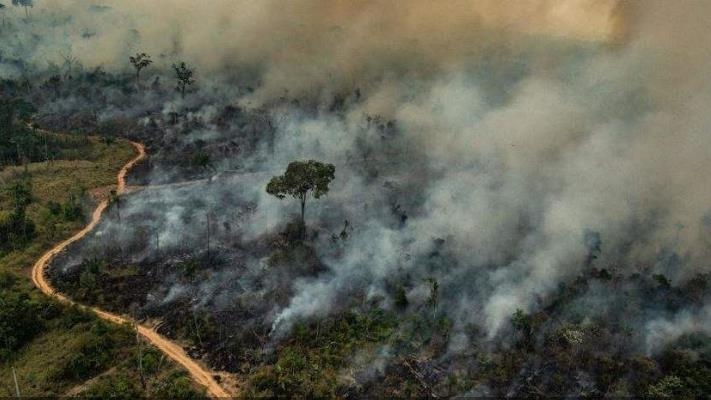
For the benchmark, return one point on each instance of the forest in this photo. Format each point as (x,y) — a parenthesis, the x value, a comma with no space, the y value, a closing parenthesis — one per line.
(355,199)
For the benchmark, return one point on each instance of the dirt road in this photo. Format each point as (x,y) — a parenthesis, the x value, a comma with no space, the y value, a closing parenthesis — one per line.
(172,350)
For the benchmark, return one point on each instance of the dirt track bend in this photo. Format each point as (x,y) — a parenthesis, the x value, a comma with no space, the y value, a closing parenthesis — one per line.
(172,350)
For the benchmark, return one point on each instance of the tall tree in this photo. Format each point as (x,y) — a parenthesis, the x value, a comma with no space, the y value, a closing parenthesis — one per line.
(140,61)
(2,8)
(300,179)
(14,135)
(24,3)
(185,77)
(21,194)
(434,295)
(16,228)
(69,62)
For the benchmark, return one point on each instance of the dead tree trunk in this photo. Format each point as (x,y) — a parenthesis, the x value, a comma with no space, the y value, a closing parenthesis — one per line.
(302,225)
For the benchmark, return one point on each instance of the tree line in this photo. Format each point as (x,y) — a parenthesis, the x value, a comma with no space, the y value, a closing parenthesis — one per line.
(21,142)
(183,72)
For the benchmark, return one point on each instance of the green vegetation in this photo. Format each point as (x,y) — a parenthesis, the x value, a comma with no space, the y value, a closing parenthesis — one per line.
(21,142)
(70,347)
(565,356)
(57,349)
(20,318)
(52,195)
(15,228)
(184,76)
(300,179)
(309,364)
(27,4)
(139,62)
(126,384)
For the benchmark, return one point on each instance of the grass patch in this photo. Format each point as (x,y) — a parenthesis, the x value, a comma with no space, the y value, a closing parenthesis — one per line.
(59,182)
(72,351)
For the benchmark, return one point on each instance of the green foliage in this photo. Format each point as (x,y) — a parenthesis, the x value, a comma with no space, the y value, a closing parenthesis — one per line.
(74,315)
(20,321)
(16,140)
(89,288)
(21,193)
(201,160)
(297,373)
(149,358)
(23,3)
(176,385)
(688,359)
(54,208)
(524,324)
(7,280)
(520,321)
(16,229)
(96,351)
(115,387)
(605,274)
(71,210)
(184,74)
(308,366)
(400,298)
(662,281)
(108,139)
(189,268)
(20,143)
(13,111)
(434,292)
(54,348)
(139,62)
(302,177)
(671,387)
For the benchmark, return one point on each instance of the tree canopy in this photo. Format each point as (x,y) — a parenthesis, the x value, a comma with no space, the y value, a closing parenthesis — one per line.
(184,75)
(300,179)
(140,61)
(24,3)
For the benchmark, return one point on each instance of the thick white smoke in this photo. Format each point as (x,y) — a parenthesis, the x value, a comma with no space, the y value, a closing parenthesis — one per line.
(519,127)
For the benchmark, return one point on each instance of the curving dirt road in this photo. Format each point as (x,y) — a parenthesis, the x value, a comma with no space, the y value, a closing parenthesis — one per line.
(172,350)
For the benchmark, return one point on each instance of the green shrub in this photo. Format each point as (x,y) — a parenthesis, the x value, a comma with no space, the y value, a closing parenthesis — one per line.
(669,387)
(176,385)
(54,208)
(20,321)
(114,387)
(401,298)
(7,280)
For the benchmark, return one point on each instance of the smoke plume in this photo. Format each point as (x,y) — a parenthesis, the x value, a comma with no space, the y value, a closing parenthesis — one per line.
(493,146)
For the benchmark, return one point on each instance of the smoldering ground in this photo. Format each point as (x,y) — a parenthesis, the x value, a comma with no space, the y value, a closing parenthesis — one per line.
(498,155)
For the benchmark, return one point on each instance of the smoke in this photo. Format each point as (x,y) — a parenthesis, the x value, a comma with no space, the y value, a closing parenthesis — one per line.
(476,143)
(615,144)
(663,331)
(305,45)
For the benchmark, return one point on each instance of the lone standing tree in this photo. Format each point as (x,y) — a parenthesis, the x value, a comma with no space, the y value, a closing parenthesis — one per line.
(24,3)
(300,178)
(140,61)
(185,77)
(2,8)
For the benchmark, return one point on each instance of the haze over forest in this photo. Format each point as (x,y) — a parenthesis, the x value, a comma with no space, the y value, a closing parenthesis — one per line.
(521,203)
